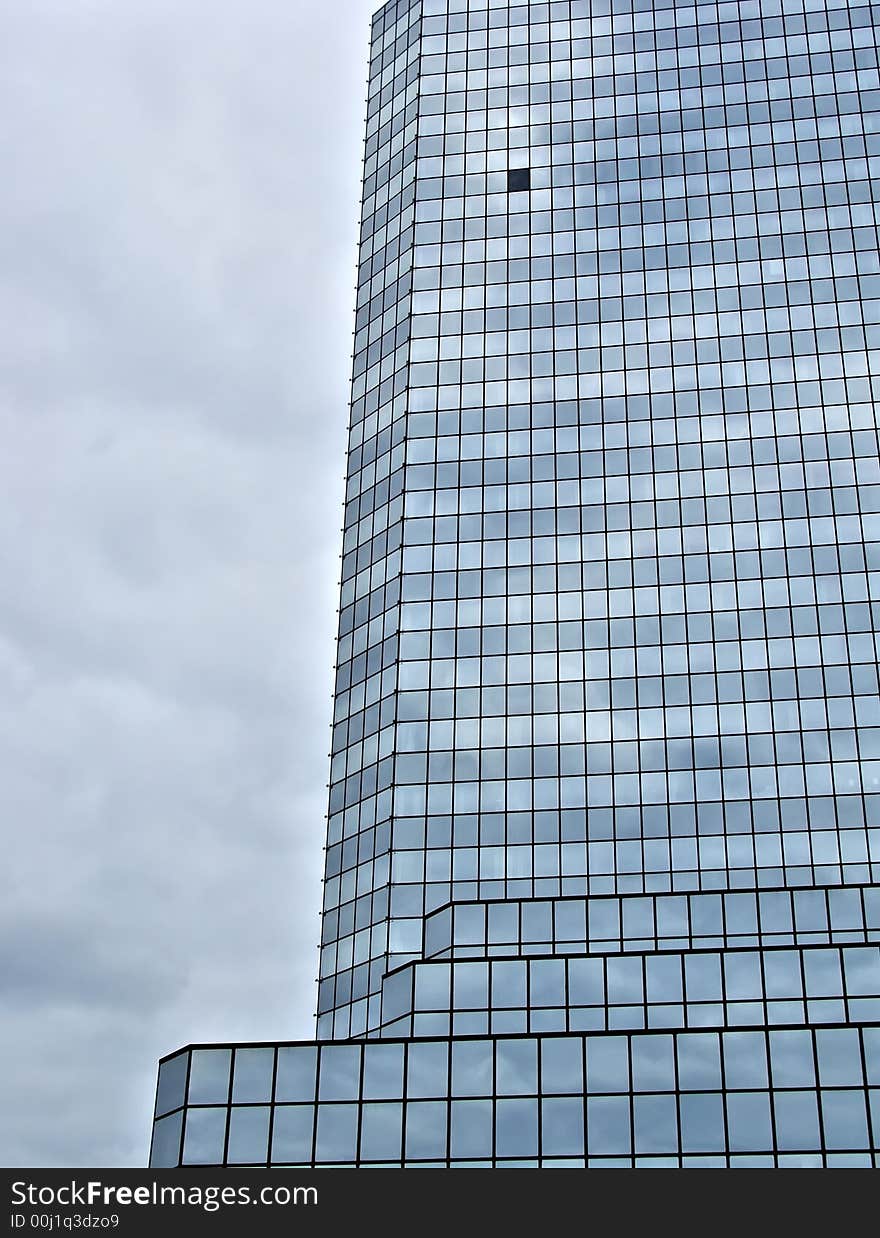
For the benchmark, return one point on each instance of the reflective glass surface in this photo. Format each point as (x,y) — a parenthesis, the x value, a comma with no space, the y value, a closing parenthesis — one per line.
(633,1098)
(603,836)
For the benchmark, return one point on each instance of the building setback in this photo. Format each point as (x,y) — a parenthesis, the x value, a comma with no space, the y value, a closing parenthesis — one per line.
(603,844)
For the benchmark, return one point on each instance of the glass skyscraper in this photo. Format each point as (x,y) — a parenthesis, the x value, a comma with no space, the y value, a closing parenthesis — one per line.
(603,853)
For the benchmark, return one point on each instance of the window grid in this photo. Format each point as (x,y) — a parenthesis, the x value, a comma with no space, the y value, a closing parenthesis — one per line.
(607,691)
(727,1094)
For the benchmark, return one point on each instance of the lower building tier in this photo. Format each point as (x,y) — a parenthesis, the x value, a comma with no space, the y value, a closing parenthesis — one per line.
(804,1096)
(673,990)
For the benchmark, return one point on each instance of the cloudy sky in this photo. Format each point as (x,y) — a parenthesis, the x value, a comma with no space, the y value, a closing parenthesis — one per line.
(178,232)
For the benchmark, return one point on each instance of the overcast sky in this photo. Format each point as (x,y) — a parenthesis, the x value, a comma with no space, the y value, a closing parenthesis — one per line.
(178,228)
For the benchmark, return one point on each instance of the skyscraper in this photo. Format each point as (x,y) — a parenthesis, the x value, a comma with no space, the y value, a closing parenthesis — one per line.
(604,826)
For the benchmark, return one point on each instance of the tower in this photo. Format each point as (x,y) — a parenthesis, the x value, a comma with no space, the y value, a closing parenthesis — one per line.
(604,817)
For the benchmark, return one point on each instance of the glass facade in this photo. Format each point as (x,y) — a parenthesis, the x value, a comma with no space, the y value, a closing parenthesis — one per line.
(605,781)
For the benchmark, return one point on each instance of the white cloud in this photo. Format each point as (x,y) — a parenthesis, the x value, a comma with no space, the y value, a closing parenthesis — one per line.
(178,250)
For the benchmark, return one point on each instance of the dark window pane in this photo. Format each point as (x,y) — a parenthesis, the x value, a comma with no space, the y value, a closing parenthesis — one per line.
(165,1153)
(172,1083)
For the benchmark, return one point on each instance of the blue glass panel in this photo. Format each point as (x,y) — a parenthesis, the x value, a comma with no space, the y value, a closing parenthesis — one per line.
(604,917)
(292,1129)
(608,1126)
(427,1069)
(862,969)
(702,1122)
(426,1130)
(607,1064)
(871,1041)
(248,1135)
(586,982)
(471,1129)
(562,1067)
(516,1067)
(562,1126)
(822,972)
(383,1072)
(209,1076)
(432,987)
(381,1132)
(624,979)
(656,1124)
(509,979)
(702,977)
(472,1068)
(749,1122)
(782,973)
(742,976)
(653,1064)
(791,1057)
(844,1120)
(547,982)
(672,917)
(471,986)
(745,1059)
(516,1128)
(165,1152)
(337,1134)
(172,1084)
(252,1075)
(340,1072)
(840,1058)
(664,978)
(204,1136)
(295,1078)
(874,1105)
(699,1062)
(797,1121)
